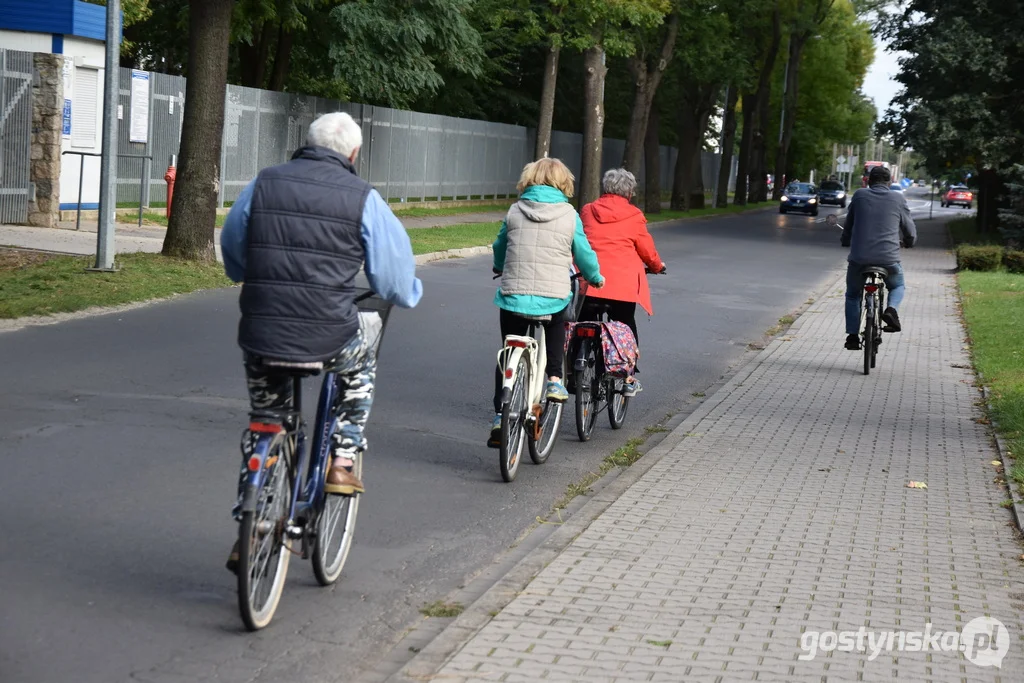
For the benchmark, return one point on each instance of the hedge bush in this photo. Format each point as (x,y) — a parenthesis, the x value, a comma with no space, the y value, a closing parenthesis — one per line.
(1014,261)
(982,257)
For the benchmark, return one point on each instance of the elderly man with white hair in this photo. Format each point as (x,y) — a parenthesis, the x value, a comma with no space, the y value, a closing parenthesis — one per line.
(296,238)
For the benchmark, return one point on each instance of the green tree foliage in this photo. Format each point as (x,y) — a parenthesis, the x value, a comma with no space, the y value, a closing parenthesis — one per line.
(962,102)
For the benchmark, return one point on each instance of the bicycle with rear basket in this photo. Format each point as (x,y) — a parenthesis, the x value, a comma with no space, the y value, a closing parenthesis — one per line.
(595,388)
(283,502)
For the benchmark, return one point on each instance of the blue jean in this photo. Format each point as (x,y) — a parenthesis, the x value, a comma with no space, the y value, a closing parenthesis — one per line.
(855,289)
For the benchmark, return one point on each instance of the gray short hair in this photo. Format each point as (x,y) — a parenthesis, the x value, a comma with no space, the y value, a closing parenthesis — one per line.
(336,131)
(618,181)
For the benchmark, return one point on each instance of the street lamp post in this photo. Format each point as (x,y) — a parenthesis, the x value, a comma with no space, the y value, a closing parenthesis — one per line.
(105,245)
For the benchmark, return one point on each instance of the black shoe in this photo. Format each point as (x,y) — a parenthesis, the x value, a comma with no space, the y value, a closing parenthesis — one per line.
(233,559)
(891,320)
(853,342)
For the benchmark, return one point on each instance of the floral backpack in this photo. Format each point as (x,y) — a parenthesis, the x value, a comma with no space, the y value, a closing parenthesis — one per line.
(618,346)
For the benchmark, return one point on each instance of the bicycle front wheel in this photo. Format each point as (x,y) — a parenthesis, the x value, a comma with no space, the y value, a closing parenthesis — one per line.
(334,531)
(618,403)
(869,341)
(513,414)
(263,551)
(550,421)
(586,392)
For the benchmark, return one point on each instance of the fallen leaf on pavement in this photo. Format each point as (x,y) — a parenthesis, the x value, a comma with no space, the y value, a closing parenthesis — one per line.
(917,485)
(997,463)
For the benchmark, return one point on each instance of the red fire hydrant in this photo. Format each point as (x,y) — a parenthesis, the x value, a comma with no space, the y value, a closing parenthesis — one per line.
(169,178)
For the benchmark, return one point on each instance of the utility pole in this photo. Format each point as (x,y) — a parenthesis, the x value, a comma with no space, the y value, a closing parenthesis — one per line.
(105,245)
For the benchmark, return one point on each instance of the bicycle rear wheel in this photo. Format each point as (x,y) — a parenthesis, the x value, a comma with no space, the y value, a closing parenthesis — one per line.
(586,392)
(513,414)
(334,531)
(869,341)
(263,553)
(618,404)
(550,421)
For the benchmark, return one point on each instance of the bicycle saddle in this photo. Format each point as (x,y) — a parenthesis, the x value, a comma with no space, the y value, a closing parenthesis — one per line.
(875,270)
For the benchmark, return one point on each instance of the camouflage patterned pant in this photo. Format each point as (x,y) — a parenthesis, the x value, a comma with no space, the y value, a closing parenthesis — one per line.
(355,369)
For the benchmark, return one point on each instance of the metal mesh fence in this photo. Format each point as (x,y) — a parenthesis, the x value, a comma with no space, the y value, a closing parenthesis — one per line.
(406,156)
(16,71)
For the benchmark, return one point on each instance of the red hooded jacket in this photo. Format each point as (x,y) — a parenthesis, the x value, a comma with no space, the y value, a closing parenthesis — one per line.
(617,230)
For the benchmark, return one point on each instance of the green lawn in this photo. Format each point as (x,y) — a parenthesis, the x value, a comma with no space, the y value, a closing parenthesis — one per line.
(993,305)
(426,240)
(161,219)
(61,284)
(666,215)
(420,212)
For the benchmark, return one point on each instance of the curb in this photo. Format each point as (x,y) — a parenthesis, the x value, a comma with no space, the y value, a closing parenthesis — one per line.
(451,253)
(435,644)
(758,209)
(1004,456)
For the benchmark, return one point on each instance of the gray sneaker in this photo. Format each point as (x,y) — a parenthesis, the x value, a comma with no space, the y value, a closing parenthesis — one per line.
(631,389)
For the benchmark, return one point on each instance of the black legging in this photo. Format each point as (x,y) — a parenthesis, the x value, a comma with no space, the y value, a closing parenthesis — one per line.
(554,344)
(619,311)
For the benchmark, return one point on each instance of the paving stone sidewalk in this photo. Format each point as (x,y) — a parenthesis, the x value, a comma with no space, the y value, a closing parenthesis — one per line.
(784,511)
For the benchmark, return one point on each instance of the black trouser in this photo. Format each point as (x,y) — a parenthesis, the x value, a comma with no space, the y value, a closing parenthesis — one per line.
(619,311)
(554,344)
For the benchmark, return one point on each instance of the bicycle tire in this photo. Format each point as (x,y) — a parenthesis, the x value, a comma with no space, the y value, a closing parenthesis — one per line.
(586,392)
(337,511)
(272,509)
(617,403)
(869,341)
(512,416)
(551,419)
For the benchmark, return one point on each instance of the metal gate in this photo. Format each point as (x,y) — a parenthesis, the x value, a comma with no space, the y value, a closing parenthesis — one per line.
(15,134)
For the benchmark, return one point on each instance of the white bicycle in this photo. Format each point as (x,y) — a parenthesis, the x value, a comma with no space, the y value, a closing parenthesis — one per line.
(526,413)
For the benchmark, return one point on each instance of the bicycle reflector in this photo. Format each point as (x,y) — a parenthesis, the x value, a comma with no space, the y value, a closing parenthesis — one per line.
(508,373)
(586,332)
(254,463)
(265,428)
(518,343)
(871,288)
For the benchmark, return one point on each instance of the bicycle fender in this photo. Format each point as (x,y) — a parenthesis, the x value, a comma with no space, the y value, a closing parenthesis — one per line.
(512,356)
(254,482)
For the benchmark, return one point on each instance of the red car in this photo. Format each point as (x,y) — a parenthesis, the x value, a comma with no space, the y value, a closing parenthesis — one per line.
(958,194)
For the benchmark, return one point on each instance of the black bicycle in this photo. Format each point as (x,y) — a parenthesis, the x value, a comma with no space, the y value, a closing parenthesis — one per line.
(595,388)
(872,305)
(284,504)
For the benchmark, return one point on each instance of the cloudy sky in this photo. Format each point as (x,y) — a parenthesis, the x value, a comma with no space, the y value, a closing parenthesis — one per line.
(879,83)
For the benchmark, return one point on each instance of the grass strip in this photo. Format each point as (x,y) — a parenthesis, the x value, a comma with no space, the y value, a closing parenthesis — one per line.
(426,240)
(993,306)
(61,284)
(700,213)
(421,212)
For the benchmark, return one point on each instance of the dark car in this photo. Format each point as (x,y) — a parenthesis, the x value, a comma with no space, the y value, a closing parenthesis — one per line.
(800,197)
(832,192)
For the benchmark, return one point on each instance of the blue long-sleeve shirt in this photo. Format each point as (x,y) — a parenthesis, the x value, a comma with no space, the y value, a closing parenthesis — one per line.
(389,262)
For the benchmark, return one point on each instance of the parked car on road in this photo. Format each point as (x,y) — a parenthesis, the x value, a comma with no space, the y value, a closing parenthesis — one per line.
(958,194)
(832,192)
(801,197)
(896,187)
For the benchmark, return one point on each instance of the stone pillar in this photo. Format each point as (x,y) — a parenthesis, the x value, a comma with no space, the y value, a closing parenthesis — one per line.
(47,125)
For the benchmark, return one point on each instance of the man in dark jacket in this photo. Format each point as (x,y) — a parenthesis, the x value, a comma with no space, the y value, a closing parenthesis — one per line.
(297,237)
(876,222)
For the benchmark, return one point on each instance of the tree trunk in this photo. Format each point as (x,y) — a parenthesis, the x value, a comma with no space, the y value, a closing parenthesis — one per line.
(746,140)
(282,60)
(757,188)
(694,112)
(697,186)
(652,165)
(190,231)
(790,97)
(647,78)
(989,189)
(593,123)
(759,166)
(728,143)
(547,103)
(254,57)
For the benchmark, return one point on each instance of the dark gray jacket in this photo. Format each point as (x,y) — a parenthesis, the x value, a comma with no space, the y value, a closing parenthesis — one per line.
(304,251)
(875,222)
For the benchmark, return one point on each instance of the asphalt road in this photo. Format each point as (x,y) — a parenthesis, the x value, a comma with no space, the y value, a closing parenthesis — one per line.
(120,455)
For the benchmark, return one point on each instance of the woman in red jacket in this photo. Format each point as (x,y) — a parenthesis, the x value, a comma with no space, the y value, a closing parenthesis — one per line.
(617,231)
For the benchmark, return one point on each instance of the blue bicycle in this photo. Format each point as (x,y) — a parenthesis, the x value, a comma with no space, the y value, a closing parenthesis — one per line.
(284,503)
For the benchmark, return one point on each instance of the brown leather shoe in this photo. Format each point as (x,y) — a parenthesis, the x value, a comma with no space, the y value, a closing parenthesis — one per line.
(340,480)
